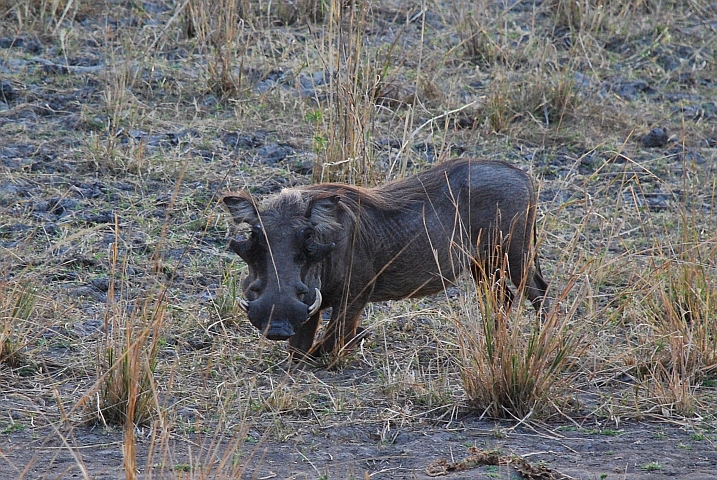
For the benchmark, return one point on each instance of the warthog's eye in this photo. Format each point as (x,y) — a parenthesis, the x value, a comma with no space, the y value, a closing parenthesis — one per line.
(312,250)
(317,251)
(249,246)
(304,238)
(306,234)
(256,236)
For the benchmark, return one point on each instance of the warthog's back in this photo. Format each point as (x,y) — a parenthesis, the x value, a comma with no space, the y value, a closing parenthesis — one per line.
(437,221)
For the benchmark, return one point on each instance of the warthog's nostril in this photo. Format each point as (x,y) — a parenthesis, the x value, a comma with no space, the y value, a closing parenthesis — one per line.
(302,289)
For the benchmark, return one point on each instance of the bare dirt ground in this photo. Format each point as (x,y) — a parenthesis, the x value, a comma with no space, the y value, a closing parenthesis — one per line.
(118,133)
(635,450)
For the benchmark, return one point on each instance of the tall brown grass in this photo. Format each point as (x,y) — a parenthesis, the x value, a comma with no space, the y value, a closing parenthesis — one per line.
(217,25)
(17,303)
(356,75)
(680,301)
(512,364)
(127,357)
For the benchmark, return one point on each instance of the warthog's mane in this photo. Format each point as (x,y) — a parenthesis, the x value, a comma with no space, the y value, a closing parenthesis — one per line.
(362,207)
(358,210)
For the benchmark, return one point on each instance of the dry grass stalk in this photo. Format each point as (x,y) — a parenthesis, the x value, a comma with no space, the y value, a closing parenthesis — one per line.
(16,306)
(478,42)
(47,15)
(123,109)
(217,24)
(586,18)
(512,365)
(582,16)
(290,12)
(681,304)
(127,358)
(355,85)
(578,15)
(545,101)
(226,302)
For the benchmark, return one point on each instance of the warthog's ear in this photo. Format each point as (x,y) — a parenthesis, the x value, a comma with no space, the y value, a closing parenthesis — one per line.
(242,207)
(321,211)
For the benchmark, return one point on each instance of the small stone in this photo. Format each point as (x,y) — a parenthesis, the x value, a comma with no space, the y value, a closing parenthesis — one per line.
(101,283)
(657,137)
(7,93)
(274,153)
(199,342)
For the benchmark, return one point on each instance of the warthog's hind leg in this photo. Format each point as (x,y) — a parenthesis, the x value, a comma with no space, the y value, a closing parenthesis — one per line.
(536,289)
(479,276)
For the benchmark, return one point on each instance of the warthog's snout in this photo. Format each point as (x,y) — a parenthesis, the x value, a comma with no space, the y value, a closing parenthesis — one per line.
(282,320)
(279,331)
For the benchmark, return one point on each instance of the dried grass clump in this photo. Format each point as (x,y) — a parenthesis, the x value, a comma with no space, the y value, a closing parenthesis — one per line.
(596,15)
(16,306)
(290,12)
(48,16)
(357,85)
(512,365)
(128,356)
(546,101)
(480,42)
(680,302)
(217,25)
(225,304)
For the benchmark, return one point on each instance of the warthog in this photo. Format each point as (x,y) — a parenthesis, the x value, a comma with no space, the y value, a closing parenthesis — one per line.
(340,247)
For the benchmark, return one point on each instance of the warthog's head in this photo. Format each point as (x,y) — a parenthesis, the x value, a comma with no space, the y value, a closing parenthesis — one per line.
(283,251)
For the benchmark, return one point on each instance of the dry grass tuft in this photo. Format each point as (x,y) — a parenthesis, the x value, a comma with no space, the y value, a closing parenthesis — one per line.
(680,301)
(127,358)
(579,15)
(16,306)
(547,101)
(49,16)
(594,16)
(512,365)
(217,25)
(479,42)
(225,304)
(290,12)
(355,84)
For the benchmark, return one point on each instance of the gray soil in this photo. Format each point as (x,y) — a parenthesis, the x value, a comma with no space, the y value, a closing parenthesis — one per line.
(73,171)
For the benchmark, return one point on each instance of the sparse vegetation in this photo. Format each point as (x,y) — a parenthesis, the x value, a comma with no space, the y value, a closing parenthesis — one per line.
(122,122)
(651,467)
(16,306)
(218,27)
(514,368)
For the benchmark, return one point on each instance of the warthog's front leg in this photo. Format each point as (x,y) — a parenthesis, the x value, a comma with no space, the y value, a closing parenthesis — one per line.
(342,331)
(301,342)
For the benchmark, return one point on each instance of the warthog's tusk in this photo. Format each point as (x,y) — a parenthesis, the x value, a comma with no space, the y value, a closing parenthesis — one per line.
(314,307)
(243,304)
